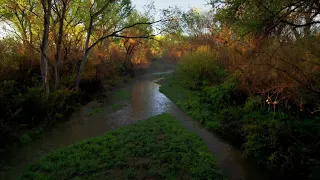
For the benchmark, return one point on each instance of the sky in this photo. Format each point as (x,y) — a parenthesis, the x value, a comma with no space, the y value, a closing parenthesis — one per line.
(162,4)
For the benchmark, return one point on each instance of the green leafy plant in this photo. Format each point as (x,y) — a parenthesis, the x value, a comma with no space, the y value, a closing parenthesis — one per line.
(158,148)
(220,96)
(25,139)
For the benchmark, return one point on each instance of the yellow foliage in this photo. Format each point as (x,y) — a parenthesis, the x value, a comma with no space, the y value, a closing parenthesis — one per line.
(203,48)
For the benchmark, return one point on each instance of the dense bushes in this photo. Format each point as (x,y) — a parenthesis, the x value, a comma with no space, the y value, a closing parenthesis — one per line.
(284,142)
(275,137)
(29,106)
(202,71)
(24,108)
(23,103)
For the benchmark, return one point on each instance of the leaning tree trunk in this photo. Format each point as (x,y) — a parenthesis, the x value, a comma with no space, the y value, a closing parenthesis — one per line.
(89,32)
(46,4)
(85,54)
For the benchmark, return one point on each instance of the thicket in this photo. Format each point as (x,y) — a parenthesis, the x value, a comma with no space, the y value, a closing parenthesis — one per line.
(23,101)
(272,129)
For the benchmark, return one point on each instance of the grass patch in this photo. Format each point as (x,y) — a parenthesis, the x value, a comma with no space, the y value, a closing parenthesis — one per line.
(122,94)
(188,100)
(158,148)
(171,87)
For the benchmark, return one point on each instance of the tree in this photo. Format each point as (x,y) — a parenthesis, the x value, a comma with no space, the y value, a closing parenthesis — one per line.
(60,8)
(93,15)
(46,5)
(62,31)
(291,18)
(120,11)
(132,45)
(20,15)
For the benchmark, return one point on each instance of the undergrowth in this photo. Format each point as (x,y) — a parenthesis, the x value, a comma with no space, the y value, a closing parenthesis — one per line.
(158,148)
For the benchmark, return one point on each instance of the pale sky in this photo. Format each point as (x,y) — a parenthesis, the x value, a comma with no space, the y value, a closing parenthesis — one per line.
(162,4)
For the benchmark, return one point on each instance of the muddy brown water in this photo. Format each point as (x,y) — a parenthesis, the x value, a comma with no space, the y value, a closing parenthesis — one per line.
(98,118)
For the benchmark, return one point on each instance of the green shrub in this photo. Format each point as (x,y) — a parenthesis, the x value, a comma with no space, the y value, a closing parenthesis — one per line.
(68,81)
(252,104)
(261,138)
(25,139)
(283,142)
(35,108)
(8,99)
(201,114)
(200,68)
(230,124)
(32,106)
(220,96)
(62,102)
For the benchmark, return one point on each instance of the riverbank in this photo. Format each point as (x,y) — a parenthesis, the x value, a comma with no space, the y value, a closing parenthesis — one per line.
(263,136)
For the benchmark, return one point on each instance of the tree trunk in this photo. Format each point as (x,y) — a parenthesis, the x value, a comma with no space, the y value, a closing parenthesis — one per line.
(85,53)
(58,45)
(46,4)
(24,39)
(31,35)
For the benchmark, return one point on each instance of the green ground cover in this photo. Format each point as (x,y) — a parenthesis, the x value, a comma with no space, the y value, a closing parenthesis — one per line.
(157,148)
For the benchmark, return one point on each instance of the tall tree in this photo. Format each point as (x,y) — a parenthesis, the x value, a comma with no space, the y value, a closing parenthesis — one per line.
(46,5)
(60,8)
(93,16)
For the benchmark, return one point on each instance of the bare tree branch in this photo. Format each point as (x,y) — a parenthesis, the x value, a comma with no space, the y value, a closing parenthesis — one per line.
(103,8)
(282,18)
(115,33)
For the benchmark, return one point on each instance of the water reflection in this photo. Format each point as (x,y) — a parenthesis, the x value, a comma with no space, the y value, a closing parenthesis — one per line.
(147,101)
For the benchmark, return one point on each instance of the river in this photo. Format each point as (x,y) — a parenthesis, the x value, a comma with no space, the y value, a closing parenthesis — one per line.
(145,101)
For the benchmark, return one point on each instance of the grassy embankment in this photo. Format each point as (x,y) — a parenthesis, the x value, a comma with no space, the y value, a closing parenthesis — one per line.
(158,148)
